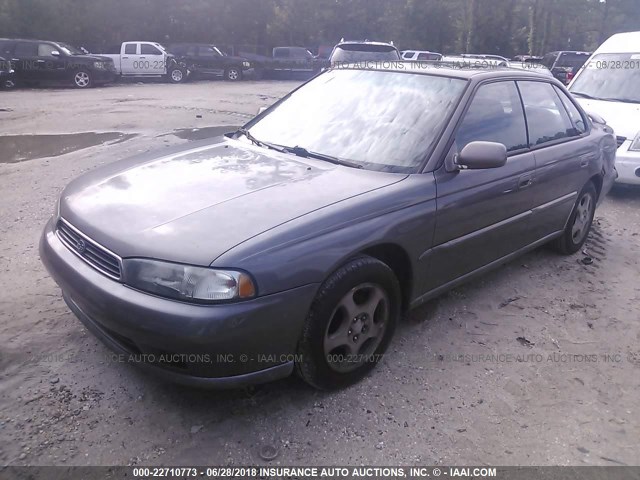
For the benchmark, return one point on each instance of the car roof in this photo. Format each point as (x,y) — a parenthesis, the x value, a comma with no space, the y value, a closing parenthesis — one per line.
(366,42)
(627,42)
(27,40)
(443,69)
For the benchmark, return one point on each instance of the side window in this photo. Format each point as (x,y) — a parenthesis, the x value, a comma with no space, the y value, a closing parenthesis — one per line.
(546,116)
(281,53)
(574,113)
(207,52)
(131,49)
(495,115)
(26,49)
(148,49)
(45,49)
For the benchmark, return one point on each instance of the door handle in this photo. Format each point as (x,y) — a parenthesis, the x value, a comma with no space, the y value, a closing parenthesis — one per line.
(125,58)
(143,57)
(525,182)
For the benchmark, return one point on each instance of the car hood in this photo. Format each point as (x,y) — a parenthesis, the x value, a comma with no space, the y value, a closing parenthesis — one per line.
(194,205)
(624,118)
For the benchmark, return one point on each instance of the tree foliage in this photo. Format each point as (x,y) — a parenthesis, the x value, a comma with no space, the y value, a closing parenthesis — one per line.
(504,27)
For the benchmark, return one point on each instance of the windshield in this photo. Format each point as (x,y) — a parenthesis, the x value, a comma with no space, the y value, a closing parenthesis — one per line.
(69,50)
(359,53)
(610,76)
(382,120)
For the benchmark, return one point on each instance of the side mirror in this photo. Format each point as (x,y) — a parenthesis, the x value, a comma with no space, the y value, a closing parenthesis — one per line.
(261,110)
(481,155)
(55,53)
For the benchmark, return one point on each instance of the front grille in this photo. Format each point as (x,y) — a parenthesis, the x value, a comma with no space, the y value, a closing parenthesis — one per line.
(621,140)
(95,255)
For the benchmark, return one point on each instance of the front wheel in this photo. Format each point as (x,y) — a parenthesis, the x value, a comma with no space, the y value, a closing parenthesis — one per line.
(82,79)
(233,74)
(579,224)
(176,75)
(350,324)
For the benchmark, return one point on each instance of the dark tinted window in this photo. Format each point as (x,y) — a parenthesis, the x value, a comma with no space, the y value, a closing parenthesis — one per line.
(178,49)
(208,51)
(572,60)
(546,116)
(131,49)
(45,49)
(495,115)
(364,52)
(574,113)
(26,49)
(281,53)
(549,59)
(6,48)
(147,49)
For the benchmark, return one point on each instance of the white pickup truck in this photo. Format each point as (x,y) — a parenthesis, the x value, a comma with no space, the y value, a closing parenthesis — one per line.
(146,59)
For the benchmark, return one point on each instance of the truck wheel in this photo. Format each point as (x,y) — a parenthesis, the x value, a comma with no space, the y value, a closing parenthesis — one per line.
(233,74)
(82,79)
(177,75)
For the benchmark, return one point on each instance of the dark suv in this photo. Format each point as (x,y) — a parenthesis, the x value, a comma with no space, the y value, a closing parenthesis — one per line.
(565,64)
(41,61)
(207,60)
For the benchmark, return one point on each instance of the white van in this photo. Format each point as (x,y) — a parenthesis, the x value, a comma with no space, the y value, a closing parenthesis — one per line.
(609,86)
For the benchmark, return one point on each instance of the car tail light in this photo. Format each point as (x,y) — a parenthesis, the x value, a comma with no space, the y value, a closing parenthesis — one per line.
(569,76)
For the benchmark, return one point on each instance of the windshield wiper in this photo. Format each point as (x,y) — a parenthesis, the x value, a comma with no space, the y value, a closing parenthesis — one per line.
(585,95)
(260,143)
(303,152)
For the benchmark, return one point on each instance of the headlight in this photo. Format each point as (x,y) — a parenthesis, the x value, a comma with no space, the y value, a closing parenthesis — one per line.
(246,64)
(187,283)
(635,145)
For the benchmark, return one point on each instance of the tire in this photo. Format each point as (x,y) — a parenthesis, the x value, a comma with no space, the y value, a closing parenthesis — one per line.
(579,224)
(176,75)
(82,79)
(350,324)
(233,74)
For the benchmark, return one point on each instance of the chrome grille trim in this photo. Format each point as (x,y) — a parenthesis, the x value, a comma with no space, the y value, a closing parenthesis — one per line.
(94,254)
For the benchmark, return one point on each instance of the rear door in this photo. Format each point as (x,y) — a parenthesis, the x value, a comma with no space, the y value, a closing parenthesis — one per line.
(129,60)
(25,61)
(559,138)
(53,68)
(483,215)
(210,61)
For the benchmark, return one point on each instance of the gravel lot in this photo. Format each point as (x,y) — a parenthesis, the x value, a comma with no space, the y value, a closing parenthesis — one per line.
(561,387)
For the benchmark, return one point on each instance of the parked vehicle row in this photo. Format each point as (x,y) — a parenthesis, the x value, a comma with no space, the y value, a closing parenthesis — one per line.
(146,60)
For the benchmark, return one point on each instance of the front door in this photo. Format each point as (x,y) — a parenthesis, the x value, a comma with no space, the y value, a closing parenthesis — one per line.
(483,215)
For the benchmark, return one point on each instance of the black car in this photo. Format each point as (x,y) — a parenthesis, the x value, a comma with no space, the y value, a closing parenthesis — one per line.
(208,60)
(7,74)
(565,64)
(42,61)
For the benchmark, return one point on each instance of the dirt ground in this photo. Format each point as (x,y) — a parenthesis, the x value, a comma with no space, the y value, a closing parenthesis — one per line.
(537,363)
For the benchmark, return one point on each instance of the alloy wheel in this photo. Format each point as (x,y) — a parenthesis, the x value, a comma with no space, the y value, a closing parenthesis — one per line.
(82,79)
(356,327)
(583,218)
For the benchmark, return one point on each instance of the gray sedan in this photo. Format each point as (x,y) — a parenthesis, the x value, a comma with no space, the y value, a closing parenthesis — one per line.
(297,242)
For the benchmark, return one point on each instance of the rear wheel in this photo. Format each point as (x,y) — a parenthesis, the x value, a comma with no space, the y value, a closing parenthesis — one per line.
(176,75)
(349,325)
(579,224)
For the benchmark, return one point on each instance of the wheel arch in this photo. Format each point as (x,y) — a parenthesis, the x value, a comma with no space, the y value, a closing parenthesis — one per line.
(397,259)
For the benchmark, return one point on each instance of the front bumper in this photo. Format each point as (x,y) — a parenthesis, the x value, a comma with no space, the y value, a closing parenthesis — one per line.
(628,165)
(215,346)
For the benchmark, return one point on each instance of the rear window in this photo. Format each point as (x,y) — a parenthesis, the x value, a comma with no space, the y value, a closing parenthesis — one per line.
(572,60)
(26,49)
(549,59)
(364,52)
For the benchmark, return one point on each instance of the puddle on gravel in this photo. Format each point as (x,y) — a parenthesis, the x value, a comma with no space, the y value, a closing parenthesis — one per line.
(202,133)
(19,148)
